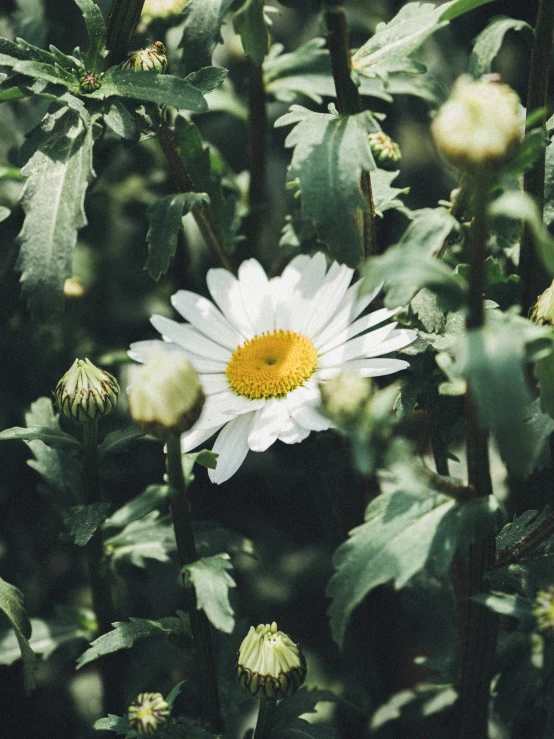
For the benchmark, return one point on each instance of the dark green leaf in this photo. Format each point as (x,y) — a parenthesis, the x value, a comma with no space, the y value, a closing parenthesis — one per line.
(207,79)
(172,696)
(300,729)
(126,633)
(120,120)
(415,704)
(11,603)
(138,507)
(505,604)
(205,457)
(201,31)
(118,441)
(48,73)
(163,89)
(304,71)
(385,197)
(148,538)
(211,579)
(20,50)
(520,527)
(303,701)
(250,24)
(502,290)
(458,7)
(544,372)
(58,174)
(56,439)
(488,43)
(330,154)
(531,148)
(549,186)
(83,521)
(96,29)
(165,218)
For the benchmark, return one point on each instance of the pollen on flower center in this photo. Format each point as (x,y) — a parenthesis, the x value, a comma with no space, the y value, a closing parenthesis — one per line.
(271,365)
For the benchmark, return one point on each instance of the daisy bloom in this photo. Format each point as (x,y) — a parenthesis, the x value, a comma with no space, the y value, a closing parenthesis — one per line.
(262,351)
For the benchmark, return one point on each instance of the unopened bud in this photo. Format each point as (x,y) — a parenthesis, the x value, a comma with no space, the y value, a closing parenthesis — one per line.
(269,664)
(86,392)
(148,713)
(153,59)
(480,123)
(543,610)
(385,151)
(165,395)
(90,82)
(543,310)
(344,398)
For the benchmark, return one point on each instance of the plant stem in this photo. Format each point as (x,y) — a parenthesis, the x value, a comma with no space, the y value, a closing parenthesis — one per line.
(185,184)
(208,693)
(532,274)
(348,102)
(478,624)
(123,19)
(257,154)
(100,587)
(527,543)
(265,718)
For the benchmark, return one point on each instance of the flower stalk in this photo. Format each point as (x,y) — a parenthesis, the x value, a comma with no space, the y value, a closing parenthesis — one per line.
(257,154)
(122,23)
(265,718)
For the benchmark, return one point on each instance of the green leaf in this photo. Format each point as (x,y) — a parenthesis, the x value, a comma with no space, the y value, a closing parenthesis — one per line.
(300,729)
(519,528)
(211,579)
(488,43)
(126,633)
(458,7)
(304,71)
(163,89)
(83,521)
(4,213)
(549,186)
(150,537)
(330,154)
(142,505)
(120,120)
(207,79)
(118,441)
(405,530)
(385,197)
(416,704)
(56,439)
(58,174)
(505,604)
(502,290)
(205,457)
(165,218)
(544,372)
(21,50)
(48,73)
(175,691)
(117,724)
(249,23)
(96,29)
(11,603)
(303,701)
(201,31)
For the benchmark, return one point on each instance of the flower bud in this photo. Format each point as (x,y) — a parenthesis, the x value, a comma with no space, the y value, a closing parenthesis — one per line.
(344,398)
(165,395)
(543,610)
(153,59)
(86,392)
(269,664)
(480,123)
(543,310)
(90,82)
(161,8)
(148,713)
(385,151)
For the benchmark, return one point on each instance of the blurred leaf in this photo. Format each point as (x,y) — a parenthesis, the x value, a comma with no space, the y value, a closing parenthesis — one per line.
(519,528)
(330,154)
(201,31)
(165,222)
(126,633)
(211,579)
(488,43)
(118,441)
(11,603)
(505,604)
(4,213)
(96,29)
(544,372)
(416,704)
(250,24)
(304,71)
(56,439)
(163,89)
(531,148)
(503,290)
(120,120)
(539,427)
(172,696)
(150,537)
(405,530)
(48,73)
(303,701)
(118,724)
(58,174)
(138,507)
(21,50)
(385,197)
(300,729)
(205,458)
(83,521)
(549,186)
(207,79)
(459,7)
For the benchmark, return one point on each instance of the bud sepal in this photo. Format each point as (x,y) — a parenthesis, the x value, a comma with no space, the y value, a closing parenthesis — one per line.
(148,713)
(86,393)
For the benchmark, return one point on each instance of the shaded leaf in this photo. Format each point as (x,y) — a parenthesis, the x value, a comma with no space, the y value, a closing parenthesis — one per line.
(126,633)
(150,537)
(21,50)
(503,290)
(120,120)
(138,507)
(207,79)
(385,197)
(205,457)
(118,441)
(519,528)
(459,7)
(211,579)
(11,603)
(56,439)
(4,213)
(488,43)
(83,521)
(505,604)
(303,701)
(201,31)
(118,724)
(48,73)
(96,29)
(416,704)
(300,729)
(250,24)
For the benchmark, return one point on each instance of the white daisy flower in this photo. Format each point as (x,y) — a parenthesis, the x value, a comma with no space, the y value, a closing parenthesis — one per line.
(262,351)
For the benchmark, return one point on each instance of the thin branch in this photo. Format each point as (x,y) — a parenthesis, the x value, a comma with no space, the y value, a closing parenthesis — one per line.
(257,154)
(122,23)
(527,543)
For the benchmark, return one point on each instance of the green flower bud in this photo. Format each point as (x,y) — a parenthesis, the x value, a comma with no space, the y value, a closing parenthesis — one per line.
(269,664)
(344,398)
(86,392)
(148,713)
(480,123)
(543,610)
(543,310)
(165,395)
(153,59)
(90,82)
(385,151)
(161,8)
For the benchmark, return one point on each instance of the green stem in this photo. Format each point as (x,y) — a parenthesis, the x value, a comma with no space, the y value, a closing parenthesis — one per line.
(208,693)
(100,587)
(257,155)
(184,182)
(265,718)
(348,102)
(530,269)
(122,23)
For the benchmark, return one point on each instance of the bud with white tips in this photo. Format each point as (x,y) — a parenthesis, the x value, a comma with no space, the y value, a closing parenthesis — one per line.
(385,151)
(148,713)
(153,59)
(543,310)
(86,393)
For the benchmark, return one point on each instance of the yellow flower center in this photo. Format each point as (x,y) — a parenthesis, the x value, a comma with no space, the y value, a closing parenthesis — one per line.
(271,365)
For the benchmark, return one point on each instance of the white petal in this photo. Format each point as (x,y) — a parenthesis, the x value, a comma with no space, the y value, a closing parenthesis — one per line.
(207,366)
(365,368)
(348,309)
(327,299)
(368,345)
(215,383)
(292,432)
(220,407)
(397,340)
(362,324)
(195,437)
(306,393)
(140,349)
(308,416)
(190,339)
(282,288)
(362,301)
(205,317)
(232,447)
(256,296)
(225,290)
(267,424)
(307,287)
